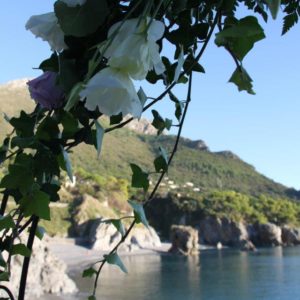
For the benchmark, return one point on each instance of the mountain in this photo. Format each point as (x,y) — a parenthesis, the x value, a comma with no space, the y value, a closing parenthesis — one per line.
(194,163)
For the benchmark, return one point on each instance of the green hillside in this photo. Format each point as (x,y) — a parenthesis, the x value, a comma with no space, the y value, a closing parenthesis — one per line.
(193,163)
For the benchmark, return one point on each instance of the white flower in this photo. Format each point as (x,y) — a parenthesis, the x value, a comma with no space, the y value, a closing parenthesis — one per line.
(46,27)
(133,48)
(112,91)
(73,3)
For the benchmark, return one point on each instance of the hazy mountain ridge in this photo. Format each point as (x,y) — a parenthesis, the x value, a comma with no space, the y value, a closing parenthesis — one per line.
(194,161)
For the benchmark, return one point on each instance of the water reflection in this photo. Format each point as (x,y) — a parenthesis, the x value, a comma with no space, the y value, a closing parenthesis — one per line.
(214,275)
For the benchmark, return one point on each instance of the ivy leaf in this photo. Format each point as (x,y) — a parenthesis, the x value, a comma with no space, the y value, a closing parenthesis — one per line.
(20,174)
(50,64)
(142,96)
(36,203)
(159,123)
(139,213)
(118,225)
(179,65)
(67,166)
(178,105)
(289,21)
(99,137)
(2,261)
(88,272)
(274,6)
(24,124)
(4,149)
(192,65)
(20,249)
(6,222)
(80,21)
(40,232)
(114,259)
(4,276)
(139,178)
(242,80)
(240,35)
(73,96)
(92,297)
(116,119)
(161,162)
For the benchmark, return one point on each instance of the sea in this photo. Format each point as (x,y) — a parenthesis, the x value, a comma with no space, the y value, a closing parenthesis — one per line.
(227,274)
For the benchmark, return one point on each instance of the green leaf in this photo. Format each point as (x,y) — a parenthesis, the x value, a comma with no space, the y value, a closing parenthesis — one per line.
(40,232)
(3,149)
(89,272)
(50,64)
(159,123)
(114,259)
(67,164)
(20,249)
(139,178)
(119,225)
(179,65)
(178,106)
(139,213)
(37,203)
(6,222)
(239,36)
(99,137)
(73,97)
(116,119)
(2,261)
(161,162)
(242,80)
(192,65)
(142,96)
(92,297)
(274,6)
(48,129)
(289,21)
(24,124)
(20,174)
(4,276)
(68,76)
(81,20)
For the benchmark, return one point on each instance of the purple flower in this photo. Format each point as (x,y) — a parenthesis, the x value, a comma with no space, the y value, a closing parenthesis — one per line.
(45,91)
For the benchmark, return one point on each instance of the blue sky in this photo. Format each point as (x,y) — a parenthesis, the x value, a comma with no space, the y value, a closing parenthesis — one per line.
(263,129)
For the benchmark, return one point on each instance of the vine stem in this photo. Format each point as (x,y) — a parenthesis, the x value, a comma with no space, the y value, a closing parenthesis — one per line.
(4,203)
(26,261)
(188,100)
(7,290)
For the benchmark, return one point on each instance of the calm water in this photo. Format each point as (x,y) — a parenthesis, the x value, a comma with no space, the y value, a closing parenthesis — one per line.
(215,275)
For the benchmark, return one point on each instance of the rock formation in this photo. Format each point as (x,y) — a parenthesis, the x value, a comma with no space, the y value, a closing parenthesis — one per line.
(184,240)
(105,236)
(47,274)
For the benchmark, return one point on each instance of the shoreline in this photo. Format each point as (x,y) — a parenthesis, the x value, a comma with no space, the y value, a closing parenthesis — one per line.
(76,255)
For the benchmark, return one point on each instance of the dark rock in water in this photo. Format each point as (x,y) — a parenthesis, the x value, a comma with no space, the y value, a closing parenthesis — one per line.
(229,233)
(184,240)
(246,245)
(290,236)
(267,234)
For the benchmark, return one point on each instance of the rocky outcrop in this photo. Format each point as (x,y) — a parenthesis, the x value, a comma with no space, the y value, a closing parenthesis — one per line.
(142,126)
(105,236)
(198,144)
(230,233)
(184,240)
(267,234)
(47,274)
(290,236)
